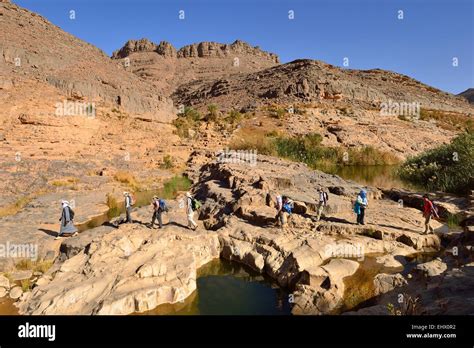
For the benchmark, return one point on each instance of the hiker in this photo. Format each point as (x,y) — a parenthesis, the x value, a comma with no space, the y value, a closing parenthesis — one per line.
(67,217)
(360,205)
(157,212)
(128,207)
(279,207)
(429,210)
(159,207)
(286,209)
(190,207)
(322,202)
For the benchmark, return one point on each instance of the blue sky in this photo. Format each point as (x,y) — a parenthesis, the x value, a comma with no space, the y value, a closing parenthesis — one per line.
(368,32)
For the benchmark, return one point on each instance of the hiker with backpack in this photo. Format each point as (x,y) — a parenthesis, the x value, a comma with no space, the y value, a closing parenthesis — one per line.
(155,203)
(128,206)
(286,210)
(360,205)
(67,220)
(191,205)
(322,202)
(429,211)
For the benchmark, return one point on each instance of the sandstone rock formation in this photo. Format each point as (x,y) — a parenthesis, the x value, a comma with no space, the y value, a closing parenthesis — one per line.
(133,269)
(66,63)
(310,81)
(167,68)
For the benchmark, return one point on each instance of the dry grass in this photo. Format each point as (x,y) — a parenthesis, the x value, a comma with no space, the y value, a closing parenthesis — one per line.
(253,139)
(12,209)
(26,285)
(65,182)
(127,179)
(35,266)
(453,121)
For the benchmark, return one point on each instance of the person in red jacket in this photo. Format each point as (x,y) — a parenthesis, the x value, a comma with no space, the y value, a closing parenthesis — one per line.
(428,212)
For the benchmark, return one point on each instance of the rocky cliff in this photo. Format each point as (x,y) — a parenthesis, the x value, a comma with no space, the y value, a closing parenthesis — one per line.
(33,48)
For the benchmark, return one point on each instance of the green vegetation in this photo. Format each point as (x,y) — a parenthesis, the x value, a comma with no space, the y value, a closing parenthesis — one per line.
(308,149)
(189,120)
(26,285)
(212,113)
(167,162)
(173,186)
(410,306)
(234,117)
(453,221)
(448,168)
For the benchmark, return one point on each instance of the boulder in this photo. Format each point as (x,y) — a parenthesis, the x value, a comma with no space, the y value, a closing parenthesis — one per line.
(432,268)
(15,292)
(21,275)
(387,282)
(4,282)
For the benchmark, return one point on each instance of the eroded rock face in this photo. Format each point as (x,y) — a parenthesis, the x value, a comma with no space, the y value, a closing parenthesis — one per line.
(131,269)
(305,80)
(72,66)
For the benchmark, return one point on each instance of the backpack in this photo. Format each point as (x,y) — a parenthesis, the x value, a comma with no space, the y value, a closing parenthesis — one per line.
(434,209)
(288,206)
(195,204)
(132,199)
(71,213)
(162,205)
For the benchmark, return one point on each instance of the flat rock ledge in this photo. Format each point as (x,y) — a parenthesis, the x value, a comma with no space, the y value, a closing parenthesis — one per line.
(131,269)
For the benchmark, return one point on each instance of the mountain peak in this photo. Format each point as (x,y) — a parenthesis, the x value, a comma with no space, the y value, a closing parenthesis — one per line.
(144,45)
(196,50)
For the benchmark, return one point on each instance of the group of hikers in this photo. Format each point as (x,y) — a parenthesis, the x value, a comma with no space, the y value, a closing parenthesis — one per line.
(159,206)
(284,206)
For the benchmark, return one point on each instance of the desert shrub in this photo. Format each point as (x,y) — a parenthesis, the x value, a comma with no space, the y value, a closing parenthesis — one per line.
(367,156)
(308,149)
(25,285)
(212,113)
(190,119)
(167,162)
(448,168)
(234,117)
